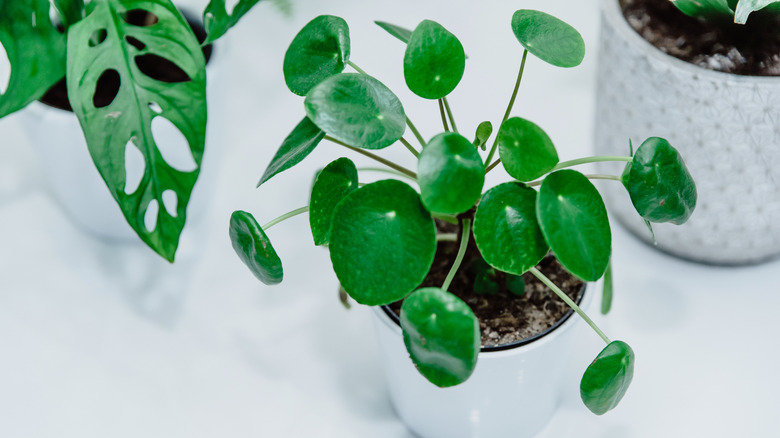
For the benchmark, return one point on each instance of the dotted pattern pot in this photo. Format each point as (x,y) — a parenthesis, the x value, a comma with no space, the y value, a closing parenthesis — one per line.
(727,127)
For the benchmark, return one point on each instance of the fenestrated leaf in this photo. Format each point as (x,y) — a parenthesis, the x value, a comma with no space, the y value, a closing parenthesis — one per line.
(606,292)
(434,61)
(111,126)
(70,11)
(506,229)
(441,335)
(399,32)
(35,50)
(659,184)
(358,110)
(482,135)
(747,7)
(608,377)
(382,242)
(319,51)
(254,249)
(450,173)
(297,146)
(548,38)
(525,149)
(333,183)
(574,222)
(217,20)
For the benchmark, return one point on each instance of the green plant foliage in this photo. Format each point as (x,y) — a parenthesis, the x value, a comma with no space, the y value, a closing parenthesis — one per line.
(399,32)
(357,110)
(607,379)
(704,8)
(128,118)
(337,180)
(484,130)
(382,242)
(297,146)
(254,249)
(660,186)
(606,292)
(319,51)
(70,11)
(747,7)
(506,229)
(450,173)
(548,38)
(35,50)
(217,21)
(515,284)
(434,61)
(525,149)
(441,335)
(574,222)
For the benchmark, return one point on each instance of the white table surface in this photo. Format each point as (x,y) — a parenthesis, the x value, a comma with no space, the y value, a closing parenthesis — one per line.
(102,340)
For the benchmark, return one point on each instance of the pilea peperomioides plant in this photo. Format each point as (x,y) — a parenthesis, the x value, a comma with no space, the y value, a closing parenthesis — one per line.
(728,11)
(389,226)
(104,49)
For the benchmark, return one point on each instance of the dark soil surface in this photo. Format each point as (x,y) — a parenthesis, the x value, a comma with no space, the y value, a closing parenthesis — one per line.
(751,49)
(504,318)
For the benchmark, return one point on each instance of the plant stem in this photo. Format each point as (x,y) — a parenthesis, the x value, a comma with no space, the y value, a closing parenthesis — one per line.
(383,170)
(495,163)
(446,218)
(511,104)
(358,69)
(387,163)
(449,113)
(285,216)
(410,147)
(415,131)
(464,243)
(586,160)
(443,116)
(543,278)
(595,176)
(447,237)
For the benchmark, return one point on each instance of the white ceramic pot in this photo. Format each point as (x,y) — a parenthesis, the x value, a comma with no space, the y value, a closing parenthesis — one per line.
(512,392)
(727,128)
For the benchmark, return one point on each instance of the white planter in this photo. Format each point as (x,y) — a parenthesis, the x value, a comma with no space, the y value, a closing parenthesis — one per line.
(727,128)
(512,392)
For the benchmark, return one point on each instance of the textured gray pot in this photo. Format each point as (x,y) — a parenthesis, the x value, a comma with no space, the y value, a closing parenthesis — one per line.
(727,128)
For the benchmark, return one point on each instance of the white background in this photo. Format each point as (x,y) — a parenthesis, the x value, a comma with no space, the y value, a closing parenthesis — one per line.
(99,339)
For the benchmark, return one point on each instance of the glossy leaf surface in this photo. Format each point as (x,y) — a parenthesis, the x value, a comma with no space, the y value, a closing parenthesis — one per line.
(434,61)
(484,130)
(109,127)
(217,20)
(254,249)
(506,229)
(441,335)
(382,242)
(548,38)
(608,377)
(525,149)
(297,146)
(70,11)
(35,50)
(450,173)
(399,32)
(747,7)
(707,9)
(575,224)
(606,292)
(333,183)
(660,186)
(357,110)
(320,50)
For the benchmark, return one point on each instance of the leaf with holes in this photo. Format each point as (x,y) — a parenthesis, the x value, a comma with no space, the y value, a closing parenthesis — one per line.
(525,149)
(333,183)
(35,50)
(297,146)
(399,32)
(548,38)
(217,20)
(319,51)
(607,379)
(450,173)
(254,249)
(147,73)
(434,61)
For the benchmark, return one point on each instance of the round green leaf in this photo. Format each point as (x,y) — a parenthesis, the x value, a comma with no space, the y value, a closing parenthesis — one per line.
(575,224)
(382,242)
(525,149)
(607,379)
(506,229)
(450,173)
(318,51)
(254,249)
(337,180)
(441,335)
(548,38)
(297,146)
(434,61)
(357,110)
(659,184)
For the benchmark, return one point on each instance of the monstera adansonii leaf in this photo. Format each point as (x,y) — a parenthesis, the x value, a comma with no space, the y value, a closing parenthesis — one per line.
(155,68)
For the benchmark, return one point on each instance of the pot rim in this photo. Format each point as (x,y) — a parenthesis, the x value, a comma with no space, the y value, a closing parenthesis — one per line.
(583,299)
(613,15)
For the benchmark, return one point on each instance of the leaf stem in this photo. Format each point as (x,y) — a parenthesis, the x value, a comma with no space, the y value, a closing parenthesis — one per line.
(449,113)
(387,163)
(495,163)
(543,278)
(358,69)
(464,243)
(586,160)
(383,170)
(593,176)
(285,216)
(415,131)
(443,116)
(511,104)
(410,147)
(447,237)
(446,218)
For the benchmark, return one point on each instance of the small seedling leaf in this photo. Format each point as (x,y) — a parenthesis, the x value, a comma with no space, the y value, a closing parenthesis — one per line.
(484,130)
